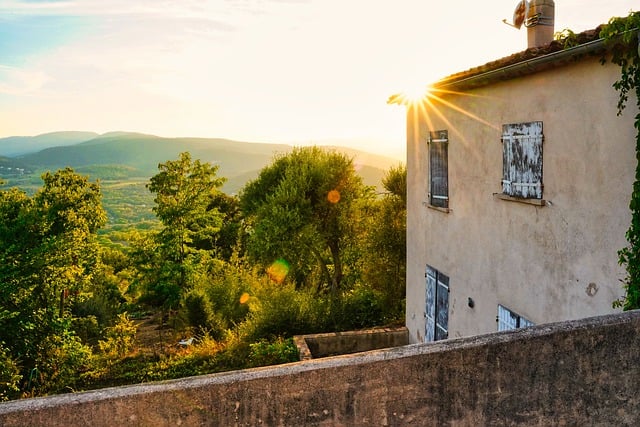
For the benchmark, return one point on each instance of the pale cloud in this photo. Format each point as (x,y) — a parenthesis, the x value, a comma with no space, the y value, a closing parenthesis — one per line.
(270,70)
(17,81)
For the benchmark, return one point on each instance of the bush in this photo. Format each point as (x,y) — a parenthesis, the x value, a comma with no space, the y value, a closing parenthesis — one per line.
(265,353)
(359,308)
(201,316)
(225,290)
(63,358)
(87,329)
(198,308)
(120,337)
(9,375)
(280,310)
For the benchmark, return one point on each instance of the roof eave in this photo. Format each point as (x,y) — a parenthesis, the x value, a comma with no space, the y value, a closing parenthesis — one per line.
(523,68)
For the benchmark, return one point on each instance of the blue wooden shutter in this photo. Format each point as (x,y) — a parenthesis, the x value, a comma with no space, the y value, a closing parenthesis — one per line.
(522,160)
(442,307)
(439,169)
(508,320)
(430,314)
(437,306)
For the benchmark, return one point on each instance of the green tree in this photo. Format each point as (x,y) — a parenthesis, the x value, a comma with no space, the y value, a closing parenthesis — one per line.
(48,256)
(186,193)
(302,209)
(384,240)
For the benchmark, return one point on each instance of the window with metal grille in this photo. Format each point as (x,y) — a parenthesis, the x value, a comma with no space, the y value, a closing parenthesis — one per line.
(437,311)
(508,320)
(439,169)
(522,160)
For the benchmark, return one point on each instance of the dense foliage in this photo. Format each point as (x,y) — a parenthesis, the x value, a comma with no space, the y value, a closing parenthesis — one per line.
(216,283)
(623,38)
(185,194)
(48,259)
(301,210)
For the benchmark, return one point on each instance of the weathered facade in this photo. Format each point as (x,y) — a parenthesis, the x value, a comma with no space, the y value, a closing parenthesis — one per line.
(519,179)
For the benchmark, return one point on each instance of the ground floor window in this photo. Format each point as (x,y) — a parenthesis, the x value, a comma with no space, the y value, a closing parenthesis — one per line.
(508,319)
(437,307)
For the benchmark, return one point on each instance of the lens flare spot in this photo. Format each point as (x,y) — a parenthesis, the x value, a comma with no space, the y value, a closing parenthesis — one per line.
(333,196)
(244,298)
(278,270)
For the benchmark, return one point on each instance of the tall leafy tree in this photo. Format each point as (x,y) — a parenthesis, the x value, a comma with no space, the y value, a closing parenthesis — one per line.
(48,255)
(384,242)
(302,209)
(185,193)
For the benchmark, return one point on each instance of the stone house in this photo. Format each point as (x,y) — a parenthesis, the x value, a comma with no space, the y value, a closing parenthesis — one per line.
(519,178)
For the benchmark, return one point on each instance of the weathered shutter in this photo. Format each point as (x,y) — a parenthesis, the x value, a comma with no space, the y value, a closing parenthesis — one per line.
(437,307)
(522,160)
(508,320)
(430,312)
(439,169)
(442,307)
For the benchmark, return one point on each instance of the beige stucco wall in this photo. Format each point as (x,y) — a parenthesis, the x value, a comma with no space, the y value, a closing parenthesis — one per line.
(541,262)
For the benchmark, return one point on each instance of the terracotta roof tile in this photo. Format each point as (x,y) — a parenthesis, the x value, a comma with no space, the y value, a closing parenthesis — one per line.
(554,46)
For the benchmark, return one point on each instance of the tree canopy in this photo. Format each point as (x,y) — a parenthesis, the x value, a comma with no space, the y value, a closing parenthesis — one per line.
(301,209)
(48,255)
(186,204)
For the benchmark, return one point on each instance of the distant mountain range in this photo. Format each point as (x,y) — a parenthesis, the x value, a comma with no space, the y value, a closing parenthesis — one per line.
(125,155)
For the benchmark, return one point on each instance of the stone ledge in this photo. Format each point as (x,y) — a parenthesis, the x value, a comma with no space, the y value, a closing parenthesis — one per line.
(582,372)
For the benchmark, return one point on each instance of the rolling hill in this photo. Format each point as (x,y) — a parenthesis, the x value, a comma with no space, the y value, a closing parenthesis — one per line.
(123,155)
(18,145)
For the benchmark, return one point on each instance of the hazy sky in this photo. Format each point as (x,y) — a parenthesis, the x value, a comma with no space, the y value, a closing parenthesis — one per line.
(286,71)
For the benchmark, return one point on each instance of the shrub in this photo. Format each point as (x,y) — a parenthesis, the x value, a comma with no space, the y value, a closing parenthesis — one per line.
(265,353)
(198,309)
(201,316)
(87,329)
(9,375)
(120,337)
(225,289)
(64,356)
(280,310)
(359,308)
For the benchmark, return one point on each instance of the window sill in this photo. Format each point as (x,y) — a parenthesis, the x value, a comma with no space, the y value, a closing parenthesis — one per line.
(535,202)
(436,208)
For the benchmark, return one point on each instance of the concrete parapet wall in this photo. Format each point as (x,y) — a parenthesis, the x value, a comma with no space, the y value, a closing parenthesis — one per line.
(582,372)
(313,346)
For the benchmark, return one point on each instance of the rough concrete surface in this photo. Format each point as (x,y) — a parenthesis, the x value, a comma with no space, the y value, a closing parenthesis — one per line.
(314,346)
(578,373)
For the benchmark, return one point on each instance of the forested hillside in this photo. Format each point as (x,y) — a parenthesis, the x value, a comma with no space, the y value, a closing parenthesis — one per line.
(196,280)
(127,155)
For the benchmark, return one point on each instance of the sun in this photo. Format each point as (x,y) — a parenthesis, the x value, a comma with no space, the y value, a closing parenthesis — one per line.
(412,94)
(416,93)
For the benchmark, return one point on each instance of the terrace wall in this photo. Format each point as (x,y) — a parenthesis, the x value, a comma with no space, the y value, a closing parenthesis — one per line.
(583,372)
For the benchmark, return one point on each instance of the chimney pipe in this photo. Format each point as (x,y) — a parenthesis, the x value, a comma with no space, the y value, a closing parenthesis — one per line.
(540,22)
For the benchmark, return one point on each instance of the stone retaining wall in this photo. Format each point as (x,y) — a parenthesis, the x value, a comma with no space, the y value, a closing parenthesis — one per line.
(584,372)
